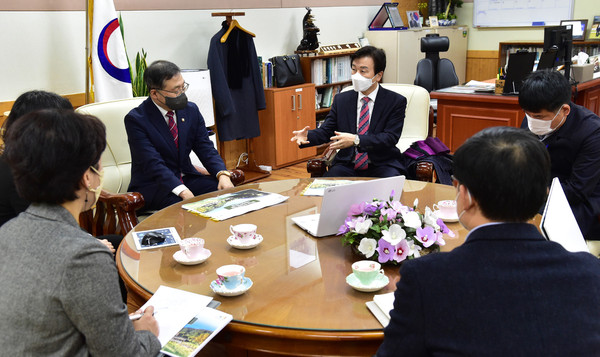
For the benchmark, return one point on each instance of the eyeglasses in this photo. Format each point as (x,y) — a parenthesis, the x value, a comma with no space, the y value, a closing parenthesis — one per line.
(178,90)
(455,182)
(152,239)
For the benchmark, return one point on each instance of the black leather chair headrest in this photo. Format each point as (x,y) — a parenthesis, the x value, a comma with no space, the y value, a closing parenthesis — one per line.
(435,43)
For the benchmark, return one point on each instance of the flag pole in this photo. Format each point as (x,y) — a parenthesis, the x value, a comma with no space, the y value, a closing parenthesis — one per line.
(87,52)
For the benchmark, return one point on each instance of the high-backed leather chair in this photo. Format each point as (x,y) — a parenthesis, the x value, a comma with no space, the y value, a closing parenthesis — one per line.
(434,72)
(116,208)
(417,125)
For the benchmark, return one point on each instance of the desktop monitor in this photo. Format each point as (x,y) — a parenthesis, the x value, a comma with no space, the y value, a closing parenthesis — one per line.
(560,38)
(520,64)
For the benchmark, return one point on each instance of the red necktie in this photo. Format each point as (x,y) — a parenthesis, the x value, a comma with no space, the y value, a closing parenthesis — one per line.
(360,161)
(173,128)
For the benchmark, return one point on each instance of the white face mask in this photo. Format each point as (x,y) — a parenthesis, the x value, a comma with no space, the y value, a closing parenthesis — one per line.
(98,189)
(361,83)
(463,211)
(541,127)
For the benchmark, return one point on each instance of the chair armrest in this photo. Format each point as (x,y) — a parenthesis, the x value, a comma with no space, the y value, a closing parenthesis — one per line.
(425,172)
(317,167)
(114,214)
(237,177)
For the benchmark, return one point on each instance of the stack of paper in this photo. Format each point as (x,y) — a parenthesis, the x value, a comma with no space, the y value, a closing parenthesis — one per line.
(381,306)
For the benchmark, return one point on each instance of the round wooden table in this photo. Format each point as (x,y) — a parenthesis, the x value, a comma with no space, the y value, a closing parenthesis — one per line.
(300,303)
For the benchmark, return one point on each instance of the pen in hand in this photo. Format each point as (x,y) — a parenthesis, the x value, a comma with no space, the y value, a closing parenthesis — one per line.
(139,315)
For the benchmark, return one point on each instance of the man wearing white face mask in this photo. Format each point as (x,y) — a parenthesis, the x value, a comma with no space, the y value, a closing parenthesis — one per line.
(364,124)
(571,134)
(506,291)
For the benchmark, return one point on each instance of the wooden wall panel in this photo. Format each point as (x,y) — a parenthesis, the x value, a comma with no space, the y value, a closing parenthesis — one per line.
(481,65)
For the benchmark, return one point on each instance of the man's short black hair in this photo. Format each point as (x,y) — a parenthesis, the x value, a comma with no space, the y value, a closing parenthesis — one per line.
(377,54)
(506,170)
(158,72)
(49,150)
(34,100)
(544,90)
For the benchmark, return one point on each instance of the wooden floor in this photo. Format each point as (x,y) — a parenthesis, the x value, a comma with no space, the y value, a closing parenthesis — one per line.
(290,172)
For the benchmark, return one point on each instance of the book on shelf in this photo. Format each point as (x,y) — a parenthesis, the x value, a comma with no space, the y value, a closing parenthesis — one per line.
(381,306)
(327,97)
(330,70)
(266,72)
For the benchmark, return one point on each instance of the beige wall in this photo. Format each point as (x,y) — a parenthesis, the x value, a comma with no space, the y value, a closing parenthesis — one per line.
(488,38)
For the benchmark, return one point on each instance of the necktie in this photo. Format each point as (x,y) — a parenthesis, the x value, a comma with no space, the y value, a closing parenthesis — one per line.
(360,161)
(173,128)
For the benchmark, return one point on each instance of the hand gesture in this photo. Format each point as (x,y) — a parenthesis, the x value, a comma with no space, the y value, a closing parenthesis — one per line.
(300,136)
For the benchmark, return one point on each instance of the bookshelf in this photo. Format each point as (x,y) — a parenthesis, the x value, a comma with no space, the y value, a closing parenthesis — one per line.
(333,75)
(592,48)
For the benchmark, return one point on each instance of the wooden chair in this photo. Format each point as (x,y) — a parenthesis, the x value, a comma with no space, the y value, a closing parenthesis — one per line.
(115,211)
(418,123)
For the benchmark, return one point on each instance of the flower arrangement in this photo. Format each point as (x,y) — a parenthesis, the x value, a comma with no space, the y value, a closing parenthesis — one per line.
(390,232)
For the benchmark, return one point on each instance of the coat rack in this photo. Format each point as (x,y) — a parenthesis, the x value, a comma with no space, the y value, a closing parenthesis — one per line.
(251,170)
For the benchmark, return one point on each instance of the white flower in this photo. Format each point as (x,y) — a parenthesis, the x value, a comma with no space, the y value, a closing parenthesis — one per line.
(363,227)
(413,249)
(412,219)
(415,203)
(367,246)
(430,219)
(394,235)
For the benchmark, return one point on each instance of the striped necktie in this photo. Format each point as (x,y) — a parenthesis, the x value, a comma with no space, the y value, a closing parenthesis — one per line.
(173,128)
(360,161)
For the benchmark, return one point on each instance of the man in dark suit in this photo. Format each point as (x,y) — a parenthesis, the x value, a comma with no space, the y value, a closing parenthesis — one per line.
(162,132)
(571,134)
(364,124)
(507,291)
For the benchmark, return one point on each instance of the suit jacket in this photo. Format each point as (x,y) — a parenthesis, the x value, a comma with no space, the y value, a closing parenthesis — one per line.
(505,292)
(385,127)
(156,163)
(236,85)
(11,204)
(575,159)
(60,292)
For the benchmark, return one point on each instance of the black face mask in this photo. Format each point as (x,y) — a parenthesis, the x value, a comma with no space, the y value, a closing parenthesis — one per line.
(176,103)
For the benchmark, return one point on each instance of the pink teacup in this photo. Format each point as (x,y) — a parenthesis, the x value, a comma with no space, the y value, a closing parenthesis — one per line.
(192,247)
(245,232)
(446,207)
(231,276)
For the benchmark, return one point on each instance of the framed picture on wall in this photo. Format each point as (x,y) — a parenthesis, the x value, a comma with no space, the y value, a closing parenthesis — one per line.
(595,30)
(579,27)
(413,19)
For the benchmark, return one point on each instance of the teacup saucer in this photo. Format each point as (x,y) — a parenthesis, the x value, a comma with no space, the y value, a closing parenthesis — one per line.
(450,219)
(377,284)
(239,245)
(223,291)
(181,258)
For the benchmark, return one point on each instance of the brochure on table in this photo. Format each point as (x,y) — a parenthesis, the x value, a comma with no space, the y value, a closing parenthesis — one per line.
(169,233)
(185,322)
(234,204)
(381,306)
(318,186)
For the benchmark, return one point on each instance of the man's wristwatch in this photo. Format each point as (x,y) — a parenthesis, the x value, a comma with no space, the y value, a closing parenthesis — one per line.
(356,140)
(223,172)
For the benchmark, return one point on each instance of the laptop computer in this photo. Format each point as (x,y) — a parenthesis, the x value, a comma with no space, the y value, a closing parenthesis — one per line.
(558,222)
(337,201)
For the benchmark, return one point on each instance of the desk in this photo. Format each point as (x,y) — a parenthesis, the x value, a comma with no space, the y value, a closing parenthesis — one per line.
(303,310)
(460,115)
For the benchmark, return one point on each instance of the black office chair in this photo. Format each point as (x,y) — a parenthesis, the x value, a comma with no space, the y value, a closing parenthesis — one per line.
(432,72)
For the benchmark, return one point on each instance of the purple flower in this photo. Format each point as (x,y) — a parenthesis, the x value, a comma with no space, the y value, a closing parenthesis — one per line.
(386,251)
(439,240)
(426,236)
(370,208)
(444,228)
(357,210)
(401,251)
(343,229)
(388,213)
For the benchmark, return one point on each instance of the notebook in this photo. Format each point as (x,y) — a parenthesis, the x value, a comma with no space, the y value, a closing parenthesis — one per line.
(337,201)
(558,222)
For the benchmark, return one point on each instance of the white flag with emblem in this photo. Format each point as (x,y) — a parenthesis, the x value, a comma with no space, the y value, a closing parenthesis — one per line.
(110,69)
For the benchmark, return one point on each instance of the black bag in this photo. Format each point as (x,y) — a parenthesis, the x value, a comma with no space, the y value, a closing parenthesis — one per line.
(287,70)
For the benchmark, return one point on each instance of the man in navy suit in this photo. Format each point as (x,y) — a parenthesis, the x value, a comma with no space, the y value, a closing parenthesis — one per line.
(507,291)
(571,133)
(364,124)
(162,132)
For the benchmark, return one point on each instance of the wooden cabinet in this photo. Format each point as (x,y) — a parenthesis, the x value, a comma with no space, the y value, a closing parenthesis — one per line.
(403,51)
(288,109)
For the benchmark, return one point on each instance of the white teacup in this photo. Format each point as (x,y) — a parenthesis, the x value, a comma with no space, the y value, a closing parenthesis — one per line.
(446,207)
(192,247)
(245,232)
(231,276)
(366,271)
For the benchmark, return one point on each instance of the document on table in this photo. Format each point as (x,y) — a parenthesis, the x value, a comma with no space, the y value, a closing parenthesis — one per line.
(173,309)
(318,186)
(234,204)
(381,306)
